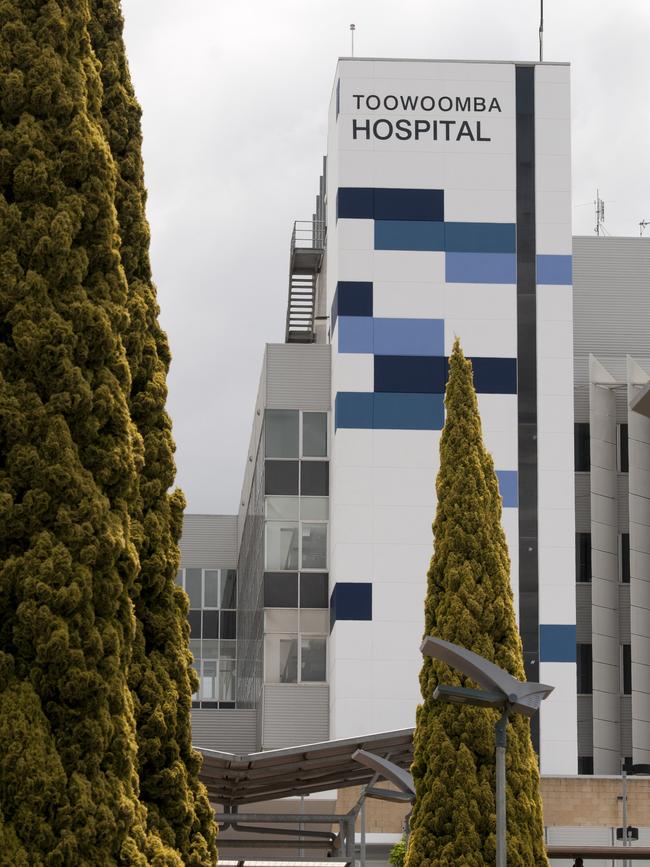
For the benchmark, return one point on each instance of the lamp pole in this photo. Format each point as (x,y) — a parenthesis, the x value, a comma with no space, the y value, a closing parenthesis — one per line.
(501,738)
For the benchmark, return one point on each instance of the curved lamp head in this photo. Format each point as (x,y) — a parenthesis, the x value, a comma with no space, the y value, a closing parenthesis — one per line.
(522,696)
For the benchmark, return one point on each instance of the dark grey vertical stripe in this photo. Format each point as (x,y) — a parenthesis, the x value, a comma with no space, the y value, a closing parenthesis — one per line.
(527,377)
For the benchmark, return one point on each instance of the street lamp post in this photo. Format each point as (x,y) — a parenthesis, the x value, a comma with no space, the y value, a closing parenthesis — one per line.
(500,691)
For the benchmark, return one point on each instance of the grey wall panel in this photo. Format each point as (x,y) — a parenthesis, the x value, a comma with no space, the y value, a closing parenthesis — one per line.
(585,726)
(604,571)
(294,714)
(583,613)
(209,541)
(298,376)
(233,731)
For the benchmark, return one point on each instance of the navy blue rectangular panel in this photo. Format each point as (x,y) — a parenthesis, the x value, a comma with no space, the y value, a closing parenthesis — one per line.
(353,409)
(557,642)
(415,374)
(409,205)
(399,411)
(480,238)
(355,203)
(351,600)
(354,298)
(495,375)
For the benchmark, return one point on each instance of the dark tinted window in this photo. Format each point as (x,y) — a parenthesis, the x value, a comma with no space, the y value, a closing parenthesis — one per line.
(584,677)
(195,624)
(280,589)
(583,557)
(627,669)
(625,558)
(585,764)
(314,478)
(281,477)
(313,590)
(581,446)
(623,452)
(211,624)
(229,624)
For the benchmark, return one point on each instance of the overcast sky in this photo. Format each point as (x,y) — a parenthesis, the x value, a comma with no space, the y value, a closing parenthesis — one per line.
(235,98)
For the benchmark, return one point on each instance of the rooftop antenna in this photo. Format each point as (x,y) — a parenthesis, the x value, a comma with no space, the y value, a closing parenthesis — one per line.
(352,29)
(541,30)
(600,214)
(642,227)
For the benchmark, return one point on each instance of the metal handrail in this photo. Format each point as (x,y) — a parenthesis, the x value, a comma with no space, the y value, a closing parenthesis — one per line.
(308,234)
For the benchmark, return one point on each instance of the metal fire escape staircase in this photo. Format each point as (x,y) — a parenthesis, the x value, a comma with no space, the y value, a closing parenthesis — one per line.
(305,263)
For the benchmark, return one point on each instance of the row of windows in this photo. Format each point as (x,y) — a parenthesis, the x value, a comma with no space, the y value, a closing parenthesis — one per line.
(586,764)
(582,450)
(213,624)
(584,669)
(209,588)
(292,434)
(290,478)
(289,590)
(583,558)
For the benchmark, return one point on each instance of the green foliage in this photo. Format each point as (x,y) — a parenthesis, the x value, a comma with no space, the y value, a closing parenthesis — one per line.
(397,854)
(469,602)
(96,765)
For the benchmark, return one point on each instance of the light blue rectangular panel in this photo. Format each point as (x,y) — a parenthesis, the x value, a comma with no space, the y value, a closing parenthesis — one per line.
(555,270)
(481,267)
(353,409)
(557,642)
(409,235)
(408,411)
(480,238)
(508,487)
(355,333)
(409,336)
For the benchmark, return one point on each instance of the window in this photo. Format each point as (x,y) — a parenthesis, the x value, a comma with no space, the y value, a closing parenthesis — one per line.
(581,447)
(281,658)
(280,589)
(282,546)
(623,450)
(229,588)
(626,658)
(282,508)
(281,477)
(281,433)
(193,587)
(584,674)
(585,764)
(314,478)
(211,588)
(314,508)
(313,653)
(314,546)
(583,557)
(314,434)
(295,646)
(625,558)
(314,590)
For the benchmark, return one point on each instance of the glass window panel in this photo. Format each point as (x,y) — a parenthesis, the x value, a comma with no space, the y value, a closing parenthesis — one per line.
(314,478)
(313,655)
(227,675)
(314,621)
(625,558)
(228,649)
(281,546)
(281,436)
(314,590)
(314,434)
(193,587)
(314,546)
(195,624)
(228,588)
(623,450)
(229,624)
(280,620)
(210,625)
(584,669)
(583,557)
(281,590)
(581,447)
(281,658)
(314,508)
(282,508)
(211,588)
(209,680)
(627,669)
(195,647)
(179,577)
(210,648)
(281,477)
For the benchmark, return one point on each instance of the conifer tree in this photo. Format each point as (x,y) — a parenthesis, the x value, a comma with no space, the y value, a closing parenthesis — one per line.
(469,602)
(161,675)
(83,482)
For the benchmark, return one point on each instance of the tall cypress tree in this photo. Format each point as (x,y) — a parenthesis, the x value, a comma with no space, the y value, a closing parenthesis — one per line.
(79,471)
(161,676)
(469,602)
